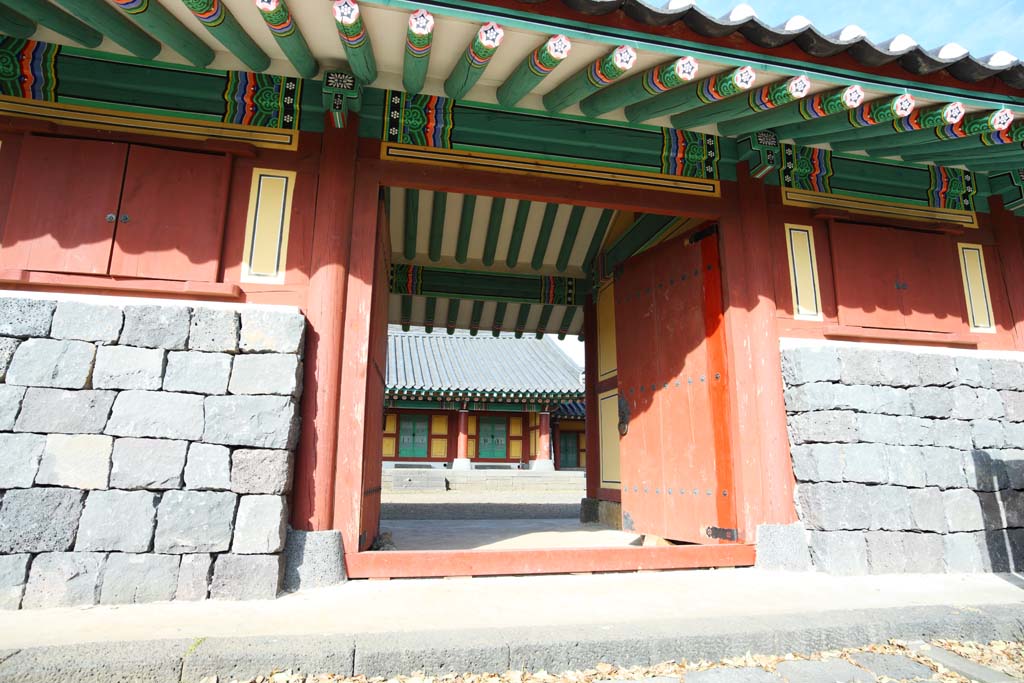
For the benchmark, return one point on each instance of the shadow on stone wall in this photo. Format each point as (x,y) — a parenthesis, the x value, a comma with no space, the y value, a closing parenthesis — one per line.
(1002,510)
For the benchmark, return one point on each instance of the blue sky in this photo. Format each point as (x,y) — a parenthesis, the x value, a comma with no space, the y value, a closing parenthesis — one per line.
(981,26)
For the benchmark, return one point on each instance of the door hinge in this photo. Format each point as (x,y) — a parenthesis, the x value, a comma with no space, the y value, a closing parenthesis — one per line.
(721,534)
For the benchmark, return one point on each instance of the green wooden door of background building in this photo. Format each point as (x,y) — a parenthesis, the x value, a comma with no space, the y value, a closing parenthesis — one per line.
(412,436)
(569,449)
(493,438)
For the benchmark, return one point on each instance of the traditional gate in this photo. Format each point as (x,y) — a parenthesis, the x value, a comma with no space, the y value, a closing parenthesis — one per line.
(676,465)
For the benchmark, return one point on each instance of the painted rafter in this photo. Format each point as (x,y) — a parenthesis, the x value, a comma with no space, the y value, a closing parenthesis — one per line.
(974,155)
(15,25)
(465,228)
(572,229)
(57,20)
(588,80)
(453,315)
(547,225)
(437,214)
(518,231)
(866,115)
(1015,164)
(222,25)
(419,37)
(493,230)
(471,65)
(819,106)
(595,243)
(412,212)
(282,26)
(474,317)
(521,318)
(972,124)
(653,82)
(431,281)
(919,119)
(567,317)
(926,151)
(705,91)
(646,229)
(155,20)
(355,40)
(545,319)
(500,310)
(429,313)
(534,69)
(763,99)
(114,25)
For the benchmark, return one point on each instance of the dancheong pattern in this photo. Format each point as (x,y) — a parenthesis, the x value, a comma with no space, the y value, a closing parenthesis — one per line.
(689,154)
(422,120)
(951,188)
(806,168)
(262,100)
(27,69)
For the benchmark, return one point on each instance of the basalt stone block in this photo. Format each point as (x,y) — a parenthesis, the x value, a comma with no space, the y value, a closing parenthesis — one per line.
(130,578)
(965,403)
(87,322)
(80,461)
(128,367)
(13,577)
(834,506)
(1014,434)
(159,327)
(983,472)
(313,559)
(198,373)
(990,404)
(52,363)
(880,429)
(819,461)
(194,577)
(267,373)
(783,547)
(995,509)
(927,509)
(988,434)
(7,348)
(1013,403)
(952,434)
(839,552)
(246,577)
(805,364)
(1011,463)
(214,330)
(885,552)
(39,520)
(25,317)
(10,404)
(944,467)
(964,553)
(884,400)
(931,401)
(963,510)
(261,471)
(19,459)
(865,463)
(122,521)
(1006,374)
(925,553)
(195,522)
(260,525)
(865,365)
(157,414)
(147,464)
(274,331)
(257,421)
(827,426)
(889,508)
(973,371)
(936,369)
(64,412)
(208,467)
(64,580)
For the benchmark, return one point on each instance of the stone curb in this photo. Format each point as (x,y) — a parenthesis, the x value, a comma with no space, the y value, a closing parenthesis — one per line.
(552,648)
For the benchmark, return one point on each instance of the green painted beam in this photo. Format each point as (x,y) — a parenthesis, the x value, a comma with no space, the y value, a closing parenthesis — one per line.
(465,228)
(1013,164)
(355,39)
(493,230)
(155,20)
(595,242)
(651,83)
(518,230)
(545,318)
(762,99)
(974,155)
(521,318)
(437,213)
(57,20)
(429,313)
(544,236)
(867,114)
(15,25)
(114,25)
(761,151)
(1009,186)
(919,119)
(222,25)
(412,213)
(972,124)
(418,39)
(534,69)
(647,228)
(470,66)
(406,313)
(818,106)
(282,26)
(569,241)
(474,317)
(499,318)
(705,91)
(453,315)
(590,79)
(994,141)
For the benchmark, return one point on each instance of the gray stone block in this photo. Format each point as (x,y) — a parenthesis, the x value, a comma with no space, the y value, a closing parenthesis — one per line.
(208,467)
(79,461)
(147,464)
(194,576)
(839,552)
(267,373)
(214,329)
(952,434)
(819,461)
(907,466)
(104,662)
(827,426)
(973,371)
(58,411)
(863,364)
(990,404)
(10,404)
(805,364)
(157,414)
(925,553)
(995,509)
(783,547)
(271,330)
(1006,374)
(87,322)
(260,525)
(19,459)
(865,463)
(246,577)
(931,401)
(128,367)
(13,577)
(747,674)
(965,403)
(52,363)
(936,369)
(130,578)
(1013,404)
(1011,463)
(25,317)
(927,509)
(39,520)
(7,348)
(1013,433)
(884,400)
(988,434)
(156,327)
(257,421)
(963,553)
(247,659)
(197,373)
(885,429)
(832,670)
(982,472)
(896,667)
(312,559)
(195,522)
(963,510)
(63,580)
(944,467)
(122,521)
(885,552)
(888,508)
(261,471)
(834,506)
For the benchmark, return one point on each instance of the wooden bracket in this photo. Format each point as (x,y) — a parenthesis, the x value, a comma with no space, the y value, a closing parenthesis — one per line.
(342,93)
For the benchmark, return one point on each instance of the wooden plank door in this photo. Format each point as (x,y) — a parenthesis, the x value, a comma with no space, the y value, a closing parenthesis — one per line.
(568,449)
(171,221)
(865,263)
(493,438)
(931,292)
(675,457)
(63,205)
(412,436)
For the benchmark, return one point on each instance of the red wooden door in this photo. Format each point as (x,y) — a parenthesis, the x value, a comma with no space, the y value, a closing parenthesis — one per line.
(931,290)
(172,215)
(63,203)
(676,463)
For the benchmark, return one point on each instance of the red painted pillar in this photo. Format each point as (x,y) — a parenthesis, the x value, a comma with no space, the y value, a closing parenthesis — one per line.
(463,450)
(543,461)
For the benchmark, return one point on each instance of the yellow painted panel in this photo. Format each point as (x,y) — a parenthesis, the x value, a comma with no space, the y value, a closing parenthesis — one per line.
(803,272)
(439,448)
(265,253)
(391,423)
(515,449)
(606,364)
(979,302)
(439,425)
(608,414)
(472,448)
(389,447)
(534,419)
(573,426)
(472,425)
(533,442)
(515,426)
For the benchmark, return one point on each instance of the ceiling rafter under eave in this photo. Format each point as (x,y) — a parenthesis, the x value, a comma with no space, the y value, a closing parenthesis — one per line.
(222,25)
(282,26)
(57,20)
(113,24)
(155,20)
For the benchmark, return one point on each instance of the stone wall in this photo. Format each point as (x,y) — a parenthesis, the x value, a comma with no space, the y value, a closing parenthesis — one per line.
(907,459)
(145,450)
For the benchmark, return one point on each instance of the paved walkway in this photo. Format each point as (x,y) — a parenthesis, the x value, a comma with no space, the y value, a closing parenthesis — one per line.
(502,534)
(480,505)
